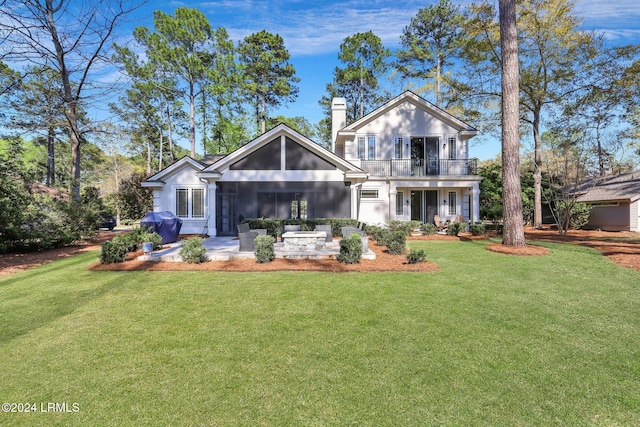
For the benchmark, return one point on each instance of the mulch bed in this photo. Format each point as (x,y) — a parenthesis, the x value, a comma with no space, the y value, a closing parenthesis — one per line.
(622,253)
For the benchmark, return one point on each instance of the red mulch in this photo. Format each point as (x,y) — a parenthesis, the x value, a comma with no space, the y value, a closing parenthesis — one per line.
(623,253)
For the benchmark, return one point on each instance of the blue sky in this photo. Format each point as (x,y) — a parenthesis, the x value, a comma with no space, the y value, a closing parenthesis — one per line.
(313,30)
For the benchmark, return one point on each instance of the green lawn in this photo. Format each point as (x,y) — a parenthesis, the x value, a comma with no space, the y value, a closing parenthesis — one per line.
(489,339)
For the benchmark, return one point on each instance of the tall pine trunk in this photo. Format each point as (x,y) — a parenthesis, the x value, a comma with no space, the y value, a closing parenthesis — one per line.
(513,229)
(51,157)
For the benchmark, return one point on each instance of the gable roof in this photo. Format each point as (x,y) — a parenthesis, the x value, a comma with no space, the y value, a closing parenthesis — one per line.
(616,187)
(411,97)
(269,136)
(158,179)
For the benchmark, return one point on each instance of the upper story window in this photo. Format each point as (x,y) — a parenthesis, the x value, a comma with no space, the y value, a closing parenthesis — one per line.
(190,202)
(397,144)
(367,147)
(452,143)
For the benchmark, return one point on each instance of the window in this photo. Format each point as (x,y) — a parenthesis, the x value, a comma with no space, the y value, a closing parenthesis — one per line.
(397,143)
(453,203)
(367,147)
(190,202)
(453,148)
(399,203)
(182,202)
(197,203)
(369,194)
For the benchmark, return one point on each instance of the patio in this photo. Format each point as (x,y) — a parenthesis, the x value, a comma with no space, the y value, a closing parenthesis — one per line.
(227,248)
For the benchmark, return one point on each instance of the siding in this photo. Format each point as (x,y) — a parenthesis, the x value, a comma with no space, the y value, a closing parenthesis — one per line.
(610,218)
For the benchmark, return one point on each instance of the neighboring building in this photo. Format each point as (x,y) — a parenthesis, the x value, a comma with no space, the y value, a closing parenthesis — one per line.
(614,201)
(406,160)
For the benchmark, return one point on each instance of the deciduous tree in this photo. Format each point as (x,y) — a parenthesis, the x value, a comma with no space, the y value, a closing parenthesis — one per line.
(70,37)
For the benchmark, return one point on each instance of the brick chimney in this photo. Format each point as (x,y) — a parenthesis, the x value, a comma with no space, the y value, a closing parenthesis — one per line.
(338,118)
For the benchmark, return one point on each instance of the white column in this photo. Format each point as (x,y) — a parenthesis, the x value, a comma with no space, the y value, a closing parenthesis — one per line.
(475,203)
(393,195)
(212,210)
(354,201)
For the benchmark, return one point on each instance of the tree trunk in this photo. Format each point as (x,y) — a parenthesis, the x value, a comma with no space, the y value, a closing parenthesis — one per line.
(70,102)
(169,130)
(51,157)
(263,114)
(513,229)
(148,157)
(75,149)
(438,86)
(161,154)
(192,120)
(537,171)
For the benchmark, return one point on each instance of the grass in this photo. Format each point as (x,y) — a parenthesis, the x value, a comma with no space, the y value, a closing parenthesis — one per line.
(489,339)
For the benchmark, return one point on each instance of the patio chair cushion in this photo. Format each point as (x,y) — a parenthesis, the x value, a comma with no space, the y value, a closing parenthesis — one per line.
(291,228)
(329,230)
(243,228)
(246,241)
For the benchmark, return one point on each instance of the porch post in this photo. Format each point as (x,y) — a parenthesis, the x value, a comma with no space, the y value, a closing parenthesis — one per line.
(354,201)
(393,196)
(212,209)
(475,203)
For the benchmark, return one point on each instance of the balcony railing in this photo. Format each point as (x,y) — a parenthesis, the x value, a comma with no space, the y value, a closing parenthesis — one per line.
(419,167)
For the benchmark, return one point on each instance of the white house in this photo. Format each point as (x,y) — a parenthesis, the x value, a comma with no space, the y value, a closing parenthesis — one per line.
(406,160)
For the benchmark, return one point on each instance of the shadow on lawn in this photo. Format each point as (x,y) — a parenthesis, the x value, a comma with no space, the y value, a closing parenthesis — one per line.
(33,310)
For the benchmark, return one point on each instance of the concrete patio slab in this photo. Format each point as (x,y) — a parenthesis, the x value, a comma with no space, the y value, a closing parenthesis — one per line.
(227,248)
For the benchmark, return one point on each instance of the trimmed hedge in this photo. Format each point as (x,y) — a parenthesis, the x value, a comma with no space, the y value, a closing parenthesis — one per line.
(274,226)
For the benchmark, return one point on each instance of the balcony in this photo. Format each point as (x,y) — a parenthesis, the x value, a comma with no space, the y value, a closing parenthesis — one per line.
(419,167)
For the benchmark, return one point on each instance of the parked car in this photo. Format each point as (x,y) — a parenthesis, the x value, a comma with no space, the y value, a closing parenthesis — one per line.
(108,222)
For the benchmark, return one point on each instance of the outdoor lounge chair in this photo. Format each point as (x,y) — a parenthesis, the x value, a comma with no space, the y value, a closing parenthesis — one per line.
(348,231)
(440,224)
(243,228)
(328,228)
(246,240)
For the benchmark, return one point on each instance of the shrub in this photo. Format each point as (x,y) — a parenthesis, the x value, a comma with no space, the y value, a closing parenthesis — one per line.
(152,237)
(428,229)
(397,243)
(405,226)
(455,228)
(379,234)
(416,255)
(128,240)
(477,229)
(113,251)
(350,250)
(264,248)
(192,250)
